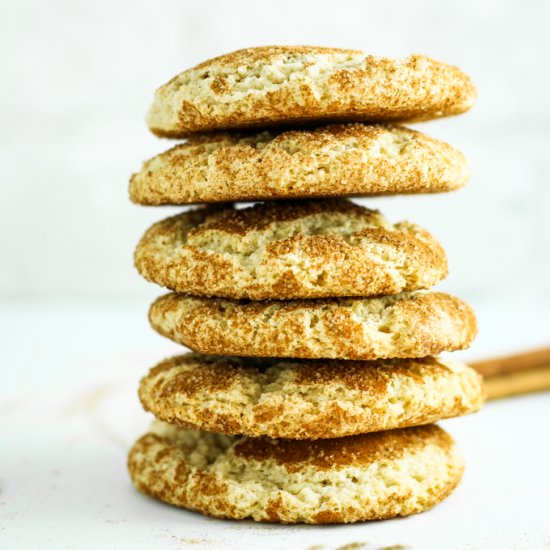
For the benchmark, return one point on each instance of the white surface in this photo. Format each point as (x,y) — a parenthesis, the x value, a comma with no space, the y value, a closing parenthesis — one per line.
(69,412)
(79,75)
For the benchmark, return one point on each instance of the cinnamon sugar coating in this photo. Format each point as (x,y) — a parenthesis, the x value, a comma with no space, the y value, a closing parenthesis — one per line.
(337,160)
(364,477)
(302,249)
(308,399)
(410,324)
(290,85)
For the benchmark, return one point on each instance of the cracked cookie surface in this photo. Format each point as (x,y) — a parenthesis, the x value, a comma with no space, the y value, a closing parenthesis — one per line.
(308,399)
(410,324)
(330,161)
(290,85)
(364,477)
(299,249)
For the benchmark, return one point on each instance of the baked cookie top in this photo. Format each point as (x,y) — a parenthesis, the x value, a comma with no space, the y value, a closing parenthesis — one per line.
(410,324)
(309,249)
(372,476)
(307,399)
(287,85)
(336,160)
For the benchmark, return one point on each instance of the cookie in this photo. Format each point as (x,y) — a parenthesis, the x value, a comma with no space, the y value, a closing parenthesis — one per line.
(323,248)
(308,399)
(289,85)
(337,160)
(414,324)
(363,477)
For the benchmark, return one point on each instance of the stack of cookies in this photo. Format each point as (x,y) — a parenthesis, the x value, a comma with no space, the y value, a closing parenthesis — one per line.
(314,383)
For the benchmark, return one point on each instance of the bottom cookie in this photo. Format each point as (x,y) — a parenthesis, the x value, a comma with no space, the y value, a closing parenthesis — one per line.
(364,477)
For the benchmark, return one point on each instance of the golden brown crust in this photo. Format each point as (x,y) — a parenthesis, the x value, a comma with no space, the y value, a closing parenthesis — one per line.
(406,325)
(296,399)
(278,85)
(312,249)
(373,476)
(336,160)
(359,450)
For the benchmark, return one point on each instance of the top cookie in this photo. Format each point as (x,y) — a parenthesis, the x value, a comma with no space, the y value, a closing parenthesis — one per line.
(287,85)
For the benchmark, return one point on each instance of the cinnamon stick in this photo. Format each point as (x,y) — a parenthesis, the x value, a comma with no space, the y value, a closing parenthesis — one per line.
(512,363)
(521,382)
(515,374)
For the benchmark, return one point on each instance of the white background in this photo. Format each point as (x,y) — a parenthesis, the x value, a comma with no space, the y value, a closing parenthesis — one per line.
(76,80)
